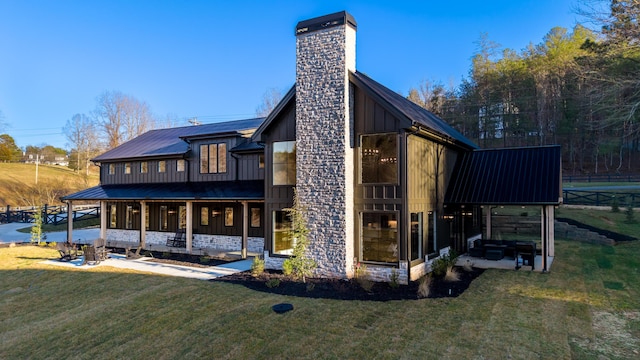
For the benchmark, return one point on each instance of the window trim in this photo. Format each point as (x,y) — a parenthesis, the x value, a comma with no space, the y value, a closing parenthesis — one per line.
(111,169)
(181,165)
(144,167)
(361,160)
(162,166)
(291,166)
(127,168)
(207,153)
(397,237)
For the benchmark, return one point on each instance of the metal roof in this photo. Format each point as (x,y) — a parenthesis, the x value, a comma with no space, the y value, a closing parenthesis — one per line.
(511,176)
(410,110)
(218,190)
(169,142)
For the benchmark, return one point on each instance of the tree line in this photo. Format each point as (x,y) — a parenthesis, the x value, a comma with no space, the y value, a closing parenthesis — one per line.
(578,88)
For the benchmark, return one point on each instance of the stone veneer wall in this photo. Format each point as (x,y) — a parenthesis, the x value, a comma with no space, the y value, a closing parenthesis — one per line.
(201,241)
(324,149)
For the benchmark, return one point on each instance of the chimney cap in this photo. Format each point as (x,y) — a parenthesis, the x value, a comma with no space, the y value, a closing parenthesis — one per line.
(326,21)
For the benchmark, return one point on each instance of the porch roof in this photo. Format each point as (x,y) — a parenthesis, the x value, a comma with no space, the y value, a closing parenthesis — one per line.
(511,176)
(219,190)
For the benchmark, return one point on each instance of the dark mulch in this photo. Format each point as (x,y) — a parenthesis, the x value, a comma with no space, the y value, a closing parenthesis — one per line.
(178,259)
(349,289)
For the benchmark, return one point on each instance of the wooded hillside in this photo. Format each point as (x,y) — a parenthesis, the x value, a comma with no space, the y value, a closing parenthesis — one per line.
(18,184)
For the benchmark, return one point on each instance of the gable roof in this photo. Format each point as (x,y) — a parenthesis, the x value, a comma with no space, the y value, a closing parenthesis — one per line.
(511,176)
(171,141)
(408,110)
(390,100)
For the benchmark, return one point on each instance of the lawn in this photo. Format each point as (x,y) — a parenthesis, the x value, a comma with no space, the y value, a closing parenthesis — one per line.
(586,308)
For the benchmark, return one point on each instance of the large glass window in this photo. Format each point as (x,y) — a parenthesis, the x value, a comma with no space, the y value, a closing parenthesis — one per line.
(182,217)
(416,235)
(228,216)
(255,217)
(112,169)
(431,235)
(282,241)
(204,216)
(127,168)
(146,216)
(162,166)
(164,217)
(113,216)
(379,237)
(129,217)
(213,158)
(379,158)
(284,163)
(180,165)
(143,167)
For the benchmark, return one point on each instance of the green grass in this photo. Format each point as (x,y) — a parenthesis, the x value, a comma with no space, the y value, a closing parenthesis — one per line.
(603,219)
(592,184)
(578,310)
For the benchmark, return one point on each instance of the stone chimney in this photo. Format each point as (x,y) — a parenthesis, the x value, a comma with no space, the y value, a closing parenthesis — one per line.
(325,53)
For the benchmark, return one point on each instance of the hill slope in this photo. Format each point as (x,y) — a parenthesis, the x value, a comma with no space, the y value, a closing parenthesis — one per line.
(18,184)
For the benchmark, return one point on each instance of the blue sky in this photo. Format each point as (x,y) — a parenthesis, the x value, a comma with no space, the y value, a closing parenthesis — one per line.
(215,59)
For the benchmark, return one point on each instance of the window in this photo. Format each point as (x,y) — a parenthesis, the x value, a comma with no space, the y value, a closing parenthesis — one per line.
(282,242)
(255,217)
(213,158)
(129,217)
(379,159)
(162,166)
(431,235)
(146,216)
(143,167)
(416,235)
(164,218)
(379,237)
(112,169)
(261,161)
(204,216)
(180,164)
(113,216)
(284,163)
(127,168)
(182,217)
(228,216)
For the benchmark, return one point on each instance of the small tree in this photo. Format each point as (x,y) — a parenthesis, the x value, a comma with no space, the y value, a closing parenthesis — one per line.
(36,229)
(615,204)
(299,262)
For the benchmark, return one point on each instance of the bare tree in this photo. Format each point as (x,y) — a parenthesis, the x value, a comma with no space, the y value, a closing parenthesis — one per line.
(122,117)
(82,134)
(270,100)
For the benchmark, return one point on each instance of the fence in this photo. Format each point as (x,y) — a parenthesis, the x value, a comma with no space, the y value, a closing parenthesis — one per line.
(601,178)
(54,215)
(600,198)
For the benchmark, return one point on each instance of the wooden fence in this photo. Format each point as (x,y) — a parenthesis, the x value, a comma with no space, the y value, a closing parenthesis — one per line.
(54,215)
(601,178)
(600,198)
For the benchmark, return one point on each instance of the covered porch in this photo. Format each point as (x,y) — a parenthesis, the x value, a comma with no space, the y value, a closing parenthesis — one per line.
(218,219)
(529,177)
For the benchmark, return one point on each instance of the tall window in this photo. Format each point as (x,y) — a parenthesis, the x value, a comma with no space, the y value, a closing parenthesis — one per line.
(127,168)
(379,158)
(180,165)
(379,237)
(228,216)
(146,216)
(284,163)
(182,217)
(431,235)
(143,167)
(282,242)
(204,216)
(129,217)
(162,166)
(255,217)
(416,235)
(213,158)
(164,217)
(112,169)
(113,216)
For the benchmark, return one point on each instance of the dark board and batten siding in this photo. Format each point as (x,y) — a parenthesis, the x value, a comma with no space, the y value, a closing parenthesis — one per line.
(135,177)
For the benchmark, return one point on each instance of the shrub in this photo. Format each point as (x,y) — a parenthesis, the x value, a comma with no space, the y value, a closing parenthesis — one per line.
(393,279)
(52,244)
(615,204)
(440,265)
(424,288)
(257,266)
(362,277)
(452,274)
(299,263)
(287,267)
(273,283)
(204,259)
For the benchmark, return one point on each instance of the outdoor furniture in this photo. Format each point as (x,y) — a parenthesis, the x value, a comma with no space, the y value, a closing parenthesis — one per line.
(526,251)
(494,253)
(67,251)
(96,252)
(178,240)
(498,249)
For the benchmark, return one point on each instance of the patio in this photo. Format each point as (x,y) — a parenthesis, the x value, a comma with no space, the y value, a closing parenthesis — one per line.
(507,263)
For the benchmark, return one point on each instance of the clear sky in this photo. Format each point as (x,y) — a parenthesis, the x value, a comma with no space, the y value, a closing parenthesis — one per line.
(214,60)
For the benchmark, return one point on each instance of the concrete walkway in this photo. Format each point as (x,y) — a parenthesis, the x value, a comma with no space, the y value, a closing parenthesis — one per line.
(145,265)
(9,234)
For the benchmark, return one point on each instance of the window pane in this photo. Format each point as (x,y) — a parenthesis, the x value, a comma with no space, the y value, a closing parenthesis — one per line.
(143,167)
(204,216)
(180,165)
(182,217)
(379,158)
(255,217)
(284,163)
(282,242)
(127,168)
(280,175)
(431,238)
(112,169)
(164,217)
(228,216)
(162,166)
(204,159)
(261,162)
(213,158)
(379,237)
(146,217)
(113,216)
(222,158)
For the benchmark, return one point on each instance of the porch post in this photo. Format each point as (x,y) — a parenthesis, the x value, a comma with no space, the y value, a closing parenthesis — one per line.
(552,230)
(143,227)
(69,222)
(103,220)
(545,238)
(189,233)
(245,229)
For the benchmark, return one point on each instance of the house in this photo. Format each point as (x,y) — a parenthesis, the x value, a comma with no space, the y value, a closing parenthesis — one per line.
(384,181)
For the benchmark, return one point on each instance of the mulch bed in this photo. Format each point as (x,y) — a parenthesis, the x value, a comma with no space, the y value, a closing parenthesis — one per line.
(349,289)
